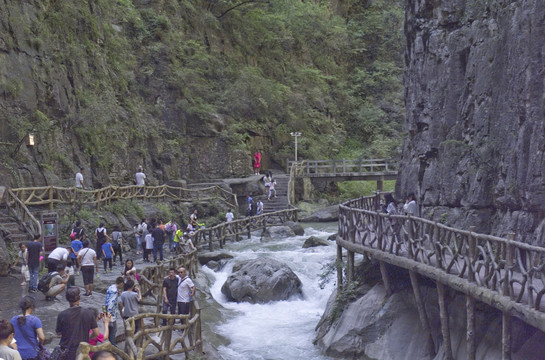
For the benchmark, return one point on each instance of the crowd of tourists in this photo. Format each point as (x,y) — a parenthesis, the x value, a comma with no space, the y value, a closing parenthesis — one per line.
(23,336)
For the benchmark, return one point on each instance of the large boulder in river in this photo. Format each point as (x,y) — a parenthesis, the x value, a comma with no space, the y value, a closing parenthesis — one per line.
(314,241)
(296,227)
(330,213)
(277,232)
(261,281)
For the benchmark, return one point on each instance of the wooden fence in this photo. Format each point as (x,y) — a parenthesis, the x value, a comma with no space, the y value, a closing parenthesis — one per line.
(505,274)
(334,167)
(242,227)
(51,195)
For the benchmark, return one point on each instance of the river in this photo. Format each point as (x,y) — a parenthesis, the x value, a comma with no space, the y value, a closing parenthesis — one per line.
(279,330)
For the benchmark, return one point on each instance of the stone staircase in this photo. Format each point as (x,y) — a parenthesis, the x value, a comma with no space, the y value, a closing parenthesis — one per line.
(12,232)
(280,202)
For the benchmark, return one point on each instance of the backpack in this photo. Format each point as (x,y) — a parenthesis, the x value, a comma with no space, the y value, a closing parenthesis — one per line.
(169,228)
(43,284)
(115,239)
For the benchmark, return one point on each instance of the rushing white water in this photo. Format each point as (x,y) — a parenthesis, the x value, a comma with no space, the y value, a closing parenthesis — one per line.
(278,330)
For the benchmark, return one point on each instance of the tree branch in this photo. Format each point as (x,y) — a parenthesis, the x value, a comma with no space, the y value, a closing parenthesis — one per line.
(241,4)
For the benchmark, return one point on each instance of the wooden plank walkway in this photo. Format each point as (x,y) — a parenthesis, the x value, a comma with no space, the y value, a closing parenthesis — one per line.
(505,274)
(346,169)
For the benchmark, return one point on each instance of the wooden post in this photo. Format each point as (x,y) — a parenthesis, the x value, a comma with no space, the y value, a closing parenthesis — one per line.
(249,230)
(380,184)
(506,318)
(51,198)
(470,301)
(443,315)
(339,268)
(350,266)
(385,278)
(422,312)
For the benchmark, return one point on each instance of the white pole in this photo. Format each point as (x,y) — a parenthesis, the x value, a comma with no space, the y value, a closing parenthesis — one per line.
(295,135)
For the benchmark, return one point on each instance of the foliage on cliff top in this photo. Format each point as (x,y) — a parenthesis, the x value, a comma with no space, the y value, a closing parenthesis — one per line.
(124,79)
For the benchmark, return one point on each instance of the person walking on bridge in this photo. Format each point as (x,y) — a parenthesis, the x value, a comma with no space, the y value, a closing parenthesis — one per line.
(79,178)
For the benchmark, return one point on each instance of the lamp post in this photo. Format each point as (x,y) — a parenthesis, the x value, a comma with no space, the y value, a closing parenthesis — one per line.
(295,135)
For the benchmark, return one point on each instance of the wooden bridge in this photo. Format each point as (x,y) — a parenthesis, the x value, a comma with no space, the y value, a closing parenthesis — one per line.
(346,169)
(505,274)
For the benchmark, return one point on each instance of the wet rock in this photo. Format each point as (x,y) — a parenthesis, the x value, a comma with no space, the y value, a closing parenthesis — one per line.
(4,257)
(296,227)
(330,213)
(275,232)
(314,241)
(205,257)
(332,237)
(213,265)
(261,281)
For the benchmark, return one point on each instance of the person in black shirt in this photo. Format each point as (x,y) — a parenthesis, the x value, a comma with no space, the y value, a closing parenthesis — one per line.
(79,231)
(158,241)
(170,293)
(74,323)
(34,251)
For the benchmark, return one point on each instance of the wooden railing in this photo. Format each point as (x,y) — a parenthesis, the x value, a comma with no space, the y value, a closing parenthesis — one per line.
(506,274)
(241,227)
(333,167)
(18,209)
(51,195)
(136,344)
(154,340)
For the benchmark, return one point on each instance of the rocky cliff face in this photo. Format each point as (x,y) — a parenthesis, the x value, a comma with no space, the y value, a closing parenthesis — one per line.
(474,152)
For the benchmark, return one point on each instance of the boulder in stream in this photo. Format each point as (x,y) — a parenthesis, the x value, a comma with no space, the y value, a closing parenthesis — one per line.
(261,281)
(314,241)
(296,227)
(330,213)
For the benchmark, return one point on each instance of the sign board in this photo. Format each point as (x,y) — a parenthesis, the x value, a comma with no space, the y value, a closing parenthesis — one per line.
(50,228)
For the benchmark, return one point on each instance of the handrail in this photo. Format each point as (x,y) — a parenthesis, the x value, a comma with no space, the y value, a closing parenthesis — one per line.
(334,167)
(22,213)
(51,195)
(237,228)
(507,274)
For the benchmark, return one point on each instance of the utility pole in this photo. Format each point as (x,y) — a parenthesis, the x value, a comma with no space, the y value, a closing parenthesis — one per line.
(295,135)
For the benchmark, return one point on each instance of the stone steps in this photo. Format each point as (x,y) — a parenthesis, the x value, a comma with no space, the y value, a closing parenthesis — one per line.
(9,226)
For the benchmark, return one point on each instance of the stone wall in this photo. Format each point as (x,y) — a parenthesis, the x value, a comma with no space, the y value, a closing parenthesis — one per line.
(474,152)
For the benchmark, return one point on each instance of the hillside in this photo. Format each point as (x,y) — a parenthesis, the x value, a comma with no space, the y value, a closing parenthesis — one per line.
(189,89)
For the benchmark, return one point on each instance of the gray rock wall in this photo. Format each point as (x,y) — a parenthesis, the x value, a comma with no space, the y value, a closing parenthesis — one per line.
(474,152)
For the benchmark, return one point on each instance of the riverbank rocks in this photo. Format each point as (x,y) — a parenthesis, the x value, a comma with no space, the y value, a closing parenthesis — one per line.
(296,227)
(332,237)
(314,241)
(261,281)
(330,213)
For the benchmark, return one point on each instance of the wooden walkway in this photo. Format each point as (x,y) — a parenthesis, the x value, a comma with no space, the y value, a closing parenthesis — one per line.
(503,273)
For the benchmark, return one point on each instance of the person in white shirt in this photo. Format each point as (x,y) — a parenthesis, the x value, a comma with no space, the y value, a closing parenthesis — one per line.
(58,256)
(410,207)
(79,179)
(186,292)
(87,257)
(229,216)
(140,177)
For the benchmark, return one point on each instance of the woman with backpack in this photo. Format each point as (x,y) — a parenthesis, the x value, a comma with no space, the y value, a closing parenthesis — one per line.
(101,235)
(117,244)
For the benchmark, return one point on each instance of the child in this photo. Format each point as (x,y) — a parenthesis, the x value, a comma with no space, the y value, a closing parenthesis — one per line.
(107,251)
(149,247)
(24,266)
(70,271)
(129,302)
(7,333)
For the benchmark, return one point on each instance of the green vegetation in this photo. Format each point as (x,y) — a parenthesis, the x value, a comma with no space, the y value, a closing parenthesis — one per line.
(139,76)
(355,189)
